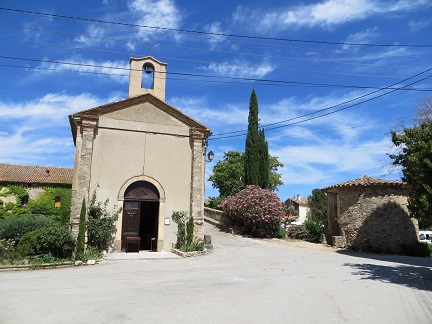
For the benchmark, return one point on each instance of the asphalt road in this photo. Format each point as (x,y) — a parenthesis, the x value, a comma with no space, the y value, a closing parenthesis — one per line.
(240,281)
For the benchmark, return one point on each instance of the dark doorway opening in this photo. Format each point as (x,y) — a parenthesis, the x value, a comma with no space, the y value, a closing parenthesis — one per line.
(140,217)
(148,230)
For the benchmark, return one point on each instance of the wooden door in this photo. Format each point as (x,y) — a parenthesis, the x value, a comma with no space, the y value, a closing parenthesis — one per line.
(131,220)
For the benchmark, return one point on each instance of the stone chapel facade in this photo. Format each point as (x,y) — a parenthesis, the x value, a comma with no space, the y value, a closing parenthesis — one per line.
(147,158)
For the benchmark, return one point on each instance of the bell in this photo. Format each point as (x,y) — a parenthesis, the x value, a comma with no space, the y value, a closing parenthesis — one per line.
(147,69)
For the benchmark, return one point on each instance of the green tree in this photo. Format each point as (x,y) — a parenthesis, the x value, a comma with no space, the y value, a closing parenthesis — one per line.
(317,203)
(251,158)
(414,156)
(264,174)
(228,175)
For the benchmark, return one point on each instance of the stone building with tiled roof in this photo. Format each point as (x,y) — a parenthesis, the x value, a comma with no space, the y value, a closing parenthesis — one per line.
(25,174)
(34,179)
(369,214)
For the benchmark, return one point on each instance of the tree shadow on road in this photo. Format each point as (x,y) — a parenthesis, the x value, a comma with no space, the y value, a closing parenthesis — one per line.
(410,276)
(417,261)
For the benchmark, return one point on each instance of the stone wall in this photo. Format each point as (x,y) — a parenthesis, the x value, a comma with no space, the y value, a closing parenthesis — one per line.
(213,214)
(375,219)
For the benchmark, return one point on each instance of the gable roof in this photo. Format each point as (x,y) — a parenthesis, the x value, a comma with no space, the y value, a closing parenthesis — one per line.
(96,112)
(17,173)
(300,202)
(366,181)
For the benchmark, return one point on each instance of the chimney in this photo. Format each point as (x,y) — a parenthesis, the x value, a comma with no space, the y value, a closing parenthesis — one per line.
(298,197)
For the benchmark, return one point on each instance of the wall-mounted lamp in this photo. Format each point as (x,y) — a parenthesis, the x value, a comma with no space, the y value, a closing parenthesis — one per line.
(210,156)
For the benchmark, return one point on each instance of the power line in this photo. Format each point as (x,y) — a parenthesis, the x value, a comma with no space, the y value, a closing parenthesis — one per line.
(232,41)
(46,15)
(235,65)
(280,82)
(332,112)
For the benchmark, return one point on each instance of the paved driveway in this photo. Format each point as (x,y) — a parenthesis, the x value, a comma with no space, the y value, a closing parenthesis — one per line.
(241,281)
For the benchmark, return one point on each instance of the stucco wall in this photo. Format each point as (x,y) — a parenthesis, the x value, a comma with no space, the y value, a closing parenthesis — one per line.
(376,219)
(124,155)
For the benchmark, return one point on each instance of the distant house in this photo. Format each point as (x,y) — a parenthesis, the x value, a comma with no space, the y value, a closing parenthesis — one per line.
(369,214)
(301,207)
(32,178)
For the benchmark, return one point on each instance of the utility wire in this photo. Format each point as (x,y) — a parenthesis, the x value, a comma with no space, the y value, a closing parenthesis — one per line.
(325,109)
(129,41)
(46,15)
(212,62)
(283,82)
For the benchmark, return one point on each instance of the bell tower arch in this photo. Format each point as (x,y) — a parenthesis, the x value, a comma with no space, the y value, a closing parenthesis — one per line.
(147,75)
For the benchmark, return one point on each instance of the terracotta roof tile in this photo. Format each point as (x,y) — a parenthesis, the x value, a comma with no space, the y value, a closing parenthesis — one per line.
(367,181)
(34,174)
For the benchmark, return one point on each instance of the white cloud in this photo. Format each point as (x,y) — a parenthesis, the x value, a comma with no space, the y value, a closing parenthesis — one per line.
(155,13)
(215,28)
(416,25)
(53,106)
(365,36)
(240,69)
(116,70)
(328,13)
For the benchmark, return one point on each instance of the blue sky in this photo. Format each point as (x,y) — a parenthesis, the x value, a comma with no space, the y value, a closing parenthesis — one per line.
(299,56)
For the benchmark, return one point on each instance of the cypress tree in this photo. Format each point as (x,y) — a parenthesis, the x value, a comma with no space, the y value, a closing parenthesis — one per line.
(251,165)
(264,167)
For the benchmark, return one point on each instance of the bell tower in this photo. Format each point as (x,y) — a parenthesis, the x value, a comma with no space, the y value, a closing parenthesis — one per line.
(147,75)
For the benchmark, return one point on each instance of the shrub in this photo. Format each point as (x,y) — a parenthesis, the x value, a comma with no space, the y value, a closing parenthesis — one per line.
(101,224)
(254,211)
(55,239)
(190,230)
(27,245)
(14,227)
(297,232)
(314,229)
(180,218)
(419,249)
(8,250)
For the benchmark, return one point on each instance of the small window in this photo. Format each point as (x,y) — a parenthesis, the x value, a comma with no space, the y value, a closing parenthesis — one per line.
(57,202)
(24,201)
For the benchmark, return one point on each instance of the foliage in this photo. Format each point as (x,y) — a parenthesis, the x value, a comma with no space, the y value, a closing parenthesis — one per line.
(185,233)
(190,230)
(264,165)
(297,232)
(11,208)
(90,253)
(314,228)
(82,229)
(180,217)
(193,246)
(228,176)
(8,250)
(252,162)
(27,244)
(54,239)
(14,227)
(317,203)
(101,224)
(415,158)
(419,249)
(45,204)
(310,231)
(254,211)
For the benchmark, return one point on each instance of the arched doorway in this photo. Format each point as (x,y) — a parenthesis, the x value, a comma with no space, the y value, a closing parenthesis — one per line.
(140,215)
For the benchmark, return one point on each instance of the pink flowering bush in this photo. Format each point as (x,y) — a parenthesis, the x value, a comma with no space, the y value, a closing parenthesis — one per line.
(254,211)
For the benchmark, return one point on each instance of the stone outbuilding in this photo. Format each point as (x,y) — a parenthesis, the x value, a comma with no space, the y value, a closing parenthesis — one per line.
(147,158)
(370,214)
(34,179)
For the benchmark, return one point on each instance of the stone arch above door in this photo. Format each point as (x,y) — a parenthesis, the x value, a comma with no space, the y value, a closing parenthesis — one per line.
(137,181)
(142,191)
